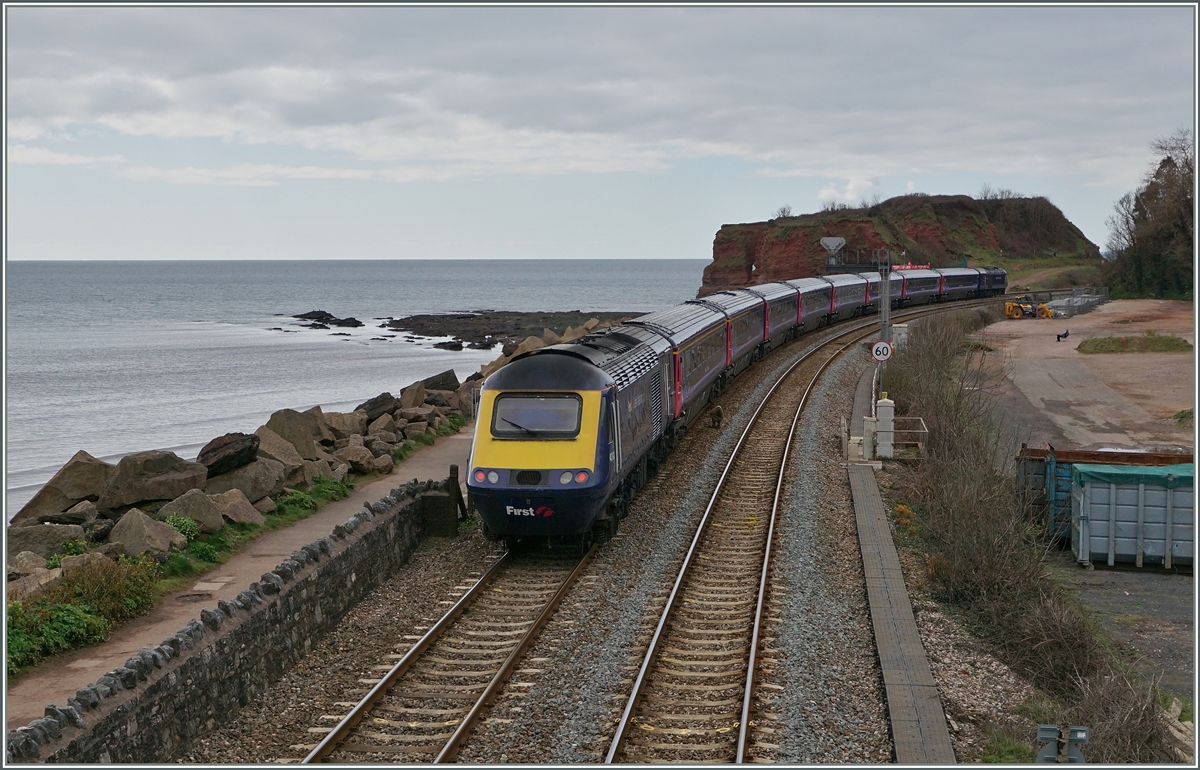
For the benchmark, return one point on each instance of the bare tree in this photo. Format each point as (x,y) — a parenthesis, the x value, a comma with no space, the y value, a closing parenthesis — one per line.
(784,211)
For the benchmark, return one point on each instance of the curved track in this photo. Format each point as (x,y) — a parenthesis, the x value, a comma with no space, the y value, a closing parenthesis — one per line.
(693,697)
(427,704)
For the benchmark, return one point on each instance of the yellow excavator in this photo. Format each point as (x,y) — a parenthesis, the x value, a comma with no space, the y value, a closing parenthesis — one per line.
(1024,307)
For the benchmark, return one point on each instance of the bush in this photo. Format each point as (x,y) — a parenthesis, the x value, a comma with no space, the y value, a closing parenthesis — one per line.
(45,628)
(294,502)
(404,451)
(69,548)
(203,552)
(331,489)
(184,526)
(114,591)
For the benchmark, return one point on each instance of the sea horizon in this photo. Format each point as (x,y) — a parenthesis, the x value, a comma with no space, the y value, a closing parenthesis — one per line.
(121,356)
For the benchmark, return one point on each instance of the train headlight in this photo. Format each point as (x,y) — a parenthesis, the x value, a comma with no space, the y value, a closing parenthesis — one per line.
(565,478)
(493,476)
(480,476)
(581,477)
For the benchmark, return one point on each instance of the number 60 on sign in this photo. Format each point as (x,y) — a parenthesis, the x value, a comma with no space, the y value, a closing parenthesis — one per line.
(881,351)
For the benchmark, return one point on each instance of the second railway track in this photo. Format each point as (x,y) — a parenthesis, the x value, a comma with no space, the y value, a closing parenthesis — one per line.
(426,705)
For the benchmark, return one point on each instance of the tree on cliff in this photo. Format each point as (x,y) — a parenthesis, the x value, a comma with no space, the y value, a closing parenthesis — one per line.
(1151,230)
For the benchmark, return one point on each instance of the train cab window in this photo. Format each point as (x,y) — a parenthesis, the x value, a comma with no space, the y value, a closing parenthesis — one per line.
(536,415)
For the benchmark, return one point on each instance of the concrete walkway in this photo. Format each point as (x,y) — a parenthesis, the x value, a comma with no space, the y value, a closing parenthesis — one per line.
(57,678)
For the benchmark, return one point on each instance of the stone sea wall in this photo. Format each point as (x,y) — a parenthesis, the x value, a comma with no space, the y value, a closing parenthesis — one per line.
(152,708)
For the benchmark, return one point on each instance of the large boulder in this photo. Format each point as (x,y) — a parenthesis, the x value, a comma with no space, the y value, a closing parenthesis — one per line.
(315,468)
(273,447)
(549,336)
(42,539)
(296,429)
(80,513)
(197,506)
(447,380)
(528,344)
(447,399)
(226,453)
(413,395)
(359,458)
(342,424)
(257,480)
(26,563)
(385,424)
(317,426)
(71,564)
(418,413)
(415,430)
(82,478)
(153,475)
(383,403)
(138,533)
(384,464)
(235,506)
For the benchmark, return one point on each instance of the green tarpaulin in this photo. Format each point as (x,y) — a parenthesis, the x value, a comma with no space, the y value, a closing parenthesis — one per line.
(1169,476)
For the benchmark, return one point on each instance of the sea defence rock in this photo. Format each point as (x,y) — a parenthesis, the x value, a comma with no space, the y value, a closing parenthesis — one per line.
(80,513)
(235,506)
(196,506)
(317,426)
(385,424)
(257,480)
(384,403)
(413,395)
(153,475)
(295,428)
(226,453)
(345,424)
(42,539)
(447,380)
(82,478)
(273,447)
(26,563)
(138,533)
(359,458)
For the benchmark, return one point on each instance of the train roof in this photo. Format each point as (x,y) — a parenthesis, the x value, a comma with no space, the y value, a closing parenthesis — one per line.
(922,273)
(809,284)
(568,366)
(845,279)
(772,291)
(958,271)
(731,302)
(681,322)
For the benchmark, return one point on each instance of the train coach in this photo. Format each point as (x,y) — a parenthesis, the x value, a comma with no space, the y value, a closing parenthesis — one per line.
(565,435)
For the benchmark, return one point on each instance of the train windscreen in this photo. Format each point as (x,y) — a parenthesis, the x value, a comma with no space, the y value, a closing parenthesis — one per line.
(526,415)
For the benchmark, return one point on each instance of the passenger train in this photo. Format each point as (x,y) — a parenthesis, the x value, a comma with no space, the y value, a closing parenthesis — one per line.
(566,434)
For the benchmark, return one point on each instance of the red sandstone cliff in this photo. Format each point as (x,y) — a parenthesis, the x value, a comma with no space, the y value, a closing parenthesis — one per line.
(938,230)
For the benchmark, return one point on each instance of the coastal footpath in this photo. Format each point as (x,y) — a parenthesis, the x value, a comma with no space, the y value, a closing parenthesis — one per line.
(146,489)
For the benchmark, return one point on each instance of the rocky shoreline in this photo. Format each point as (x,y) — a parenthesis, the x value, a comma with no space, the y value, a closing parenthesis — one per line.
(120,509)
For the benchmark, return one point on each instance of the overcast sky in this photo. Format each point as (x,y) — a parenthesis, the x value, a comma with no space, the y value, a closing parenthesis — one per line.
(277,133)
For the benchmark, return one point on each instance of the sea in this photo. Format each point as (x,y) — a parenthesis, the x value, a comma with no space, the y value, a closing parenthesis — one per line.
(121,357)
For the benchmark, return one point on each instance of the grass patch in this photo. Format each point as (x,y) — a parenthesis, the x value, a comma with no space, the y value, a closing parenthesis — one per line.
(1150,342)
(404,451)
(79,610)
(69,548)
(1006,750)
(1185,418)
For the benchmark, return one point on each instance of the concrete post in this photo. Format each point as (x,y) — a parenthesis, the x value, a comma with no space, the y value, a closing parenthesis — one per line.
(899,335)
(868,445)
(885,413)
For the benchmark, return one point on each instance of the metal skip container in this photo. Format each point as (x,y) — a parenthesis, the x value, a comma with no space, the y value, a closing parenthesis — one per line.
(1137,514)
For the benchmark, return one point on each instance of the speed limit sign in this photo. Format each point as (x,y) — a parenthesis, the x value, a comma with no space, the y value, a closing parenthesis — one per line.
(881,351)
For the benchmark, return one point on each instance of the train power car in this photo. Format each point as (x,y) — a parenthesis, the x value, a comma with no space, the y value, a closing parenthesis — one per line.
(566,434)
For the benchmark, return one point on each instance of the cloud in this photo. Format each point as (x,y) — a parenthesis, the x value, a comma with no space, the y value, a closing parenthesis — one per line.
(856,189)
(19,153)
(439,92)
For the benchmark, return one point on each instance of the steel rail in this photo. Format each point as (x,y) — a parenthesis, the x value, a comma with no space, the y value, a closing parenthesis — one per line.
(652,650)
(450,751)
(744,722)
(664,619)
(336,736)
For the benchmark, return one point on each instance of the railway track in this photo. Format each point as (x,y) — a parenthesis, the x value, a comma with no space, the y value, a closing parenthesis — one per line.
(426,705)
(693,700)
